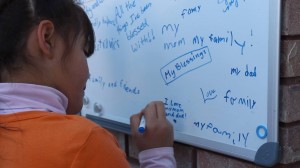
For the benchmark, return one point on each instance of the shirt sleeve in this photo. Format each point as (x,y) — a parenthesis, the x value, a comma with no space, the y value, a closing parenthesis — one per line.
(100,149)
(157,157)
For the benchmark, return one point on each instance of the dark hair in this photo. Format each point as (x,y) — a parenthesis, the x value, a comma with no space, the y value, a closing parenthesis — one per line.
(18,18)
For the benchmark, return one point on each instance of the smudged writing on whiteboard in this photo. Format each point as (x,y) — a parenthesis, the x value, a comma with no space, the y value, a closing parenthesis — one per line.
(89,6)
(107,21)
(111,43)
(229,4)
(132,18)
(135,26)
(143,40)
(137,30)
(121,84)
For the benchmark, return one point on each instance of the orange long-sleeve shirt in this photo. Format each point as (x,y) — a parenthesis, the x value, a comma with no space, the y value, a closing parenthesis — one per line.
(50,140)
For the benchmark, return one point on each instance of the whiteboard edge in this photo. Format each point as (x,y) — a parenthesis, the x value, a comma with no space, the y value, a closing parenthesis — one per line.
(273,81)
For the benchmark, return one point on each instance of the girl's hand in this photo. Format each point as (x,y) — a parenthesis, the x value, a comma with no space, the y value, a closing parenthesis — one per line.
(158,132)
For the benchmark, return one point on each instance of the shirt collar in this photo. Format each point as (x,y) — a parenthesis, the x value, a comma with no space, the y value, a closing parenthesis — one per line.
(21,97)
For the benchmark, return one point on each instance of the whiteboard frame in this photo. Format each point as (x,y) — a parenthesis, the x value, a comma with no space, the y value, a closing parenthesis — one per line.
(269,153)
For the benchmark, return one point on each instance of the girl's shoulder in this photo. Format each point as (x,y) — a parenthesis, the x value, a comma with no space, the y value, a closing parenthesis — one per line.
(49,121)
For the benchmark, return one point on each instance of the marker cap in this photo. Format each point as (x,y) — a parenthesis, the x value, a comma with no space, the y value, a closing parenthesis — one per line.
(141,129)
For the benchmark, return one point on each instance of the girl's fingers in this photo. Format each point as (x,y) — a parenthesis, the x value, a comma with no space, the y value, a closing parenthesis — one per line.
(135,121)
(160,110)
(150,113)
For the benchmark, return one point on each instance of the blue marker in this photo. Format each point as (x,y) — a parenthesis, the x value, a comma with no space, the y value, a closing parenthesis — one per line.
(142,126)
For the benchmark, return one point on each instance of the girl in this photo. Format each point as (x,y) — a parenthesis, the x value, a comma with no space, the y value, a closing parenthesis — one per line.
(43,71)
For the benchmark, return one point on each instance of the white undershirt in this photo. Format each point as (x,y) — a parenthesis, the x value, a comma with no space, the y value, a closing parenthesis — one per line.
(21,97)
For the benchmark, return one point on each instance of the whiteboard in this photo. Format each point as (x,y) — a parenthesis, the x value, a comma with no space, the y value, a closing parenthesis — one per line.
(214,63)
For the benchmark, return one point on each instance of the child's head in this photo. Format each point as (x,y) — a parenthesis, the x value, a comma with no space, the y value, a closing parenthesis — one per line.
(41,42)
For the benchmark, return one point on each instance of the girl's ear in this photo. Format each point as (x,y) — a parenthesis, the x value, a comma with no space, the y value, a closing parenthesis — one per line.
(45,35)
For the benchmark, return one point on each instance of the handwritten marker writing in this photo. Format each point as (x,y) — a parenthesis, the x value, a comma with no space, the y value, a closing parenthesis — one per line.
(142,125)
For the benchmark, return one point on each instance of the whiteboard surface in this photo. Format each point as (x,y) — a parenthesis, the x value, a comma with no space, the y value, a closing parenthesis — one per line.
(214,63)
